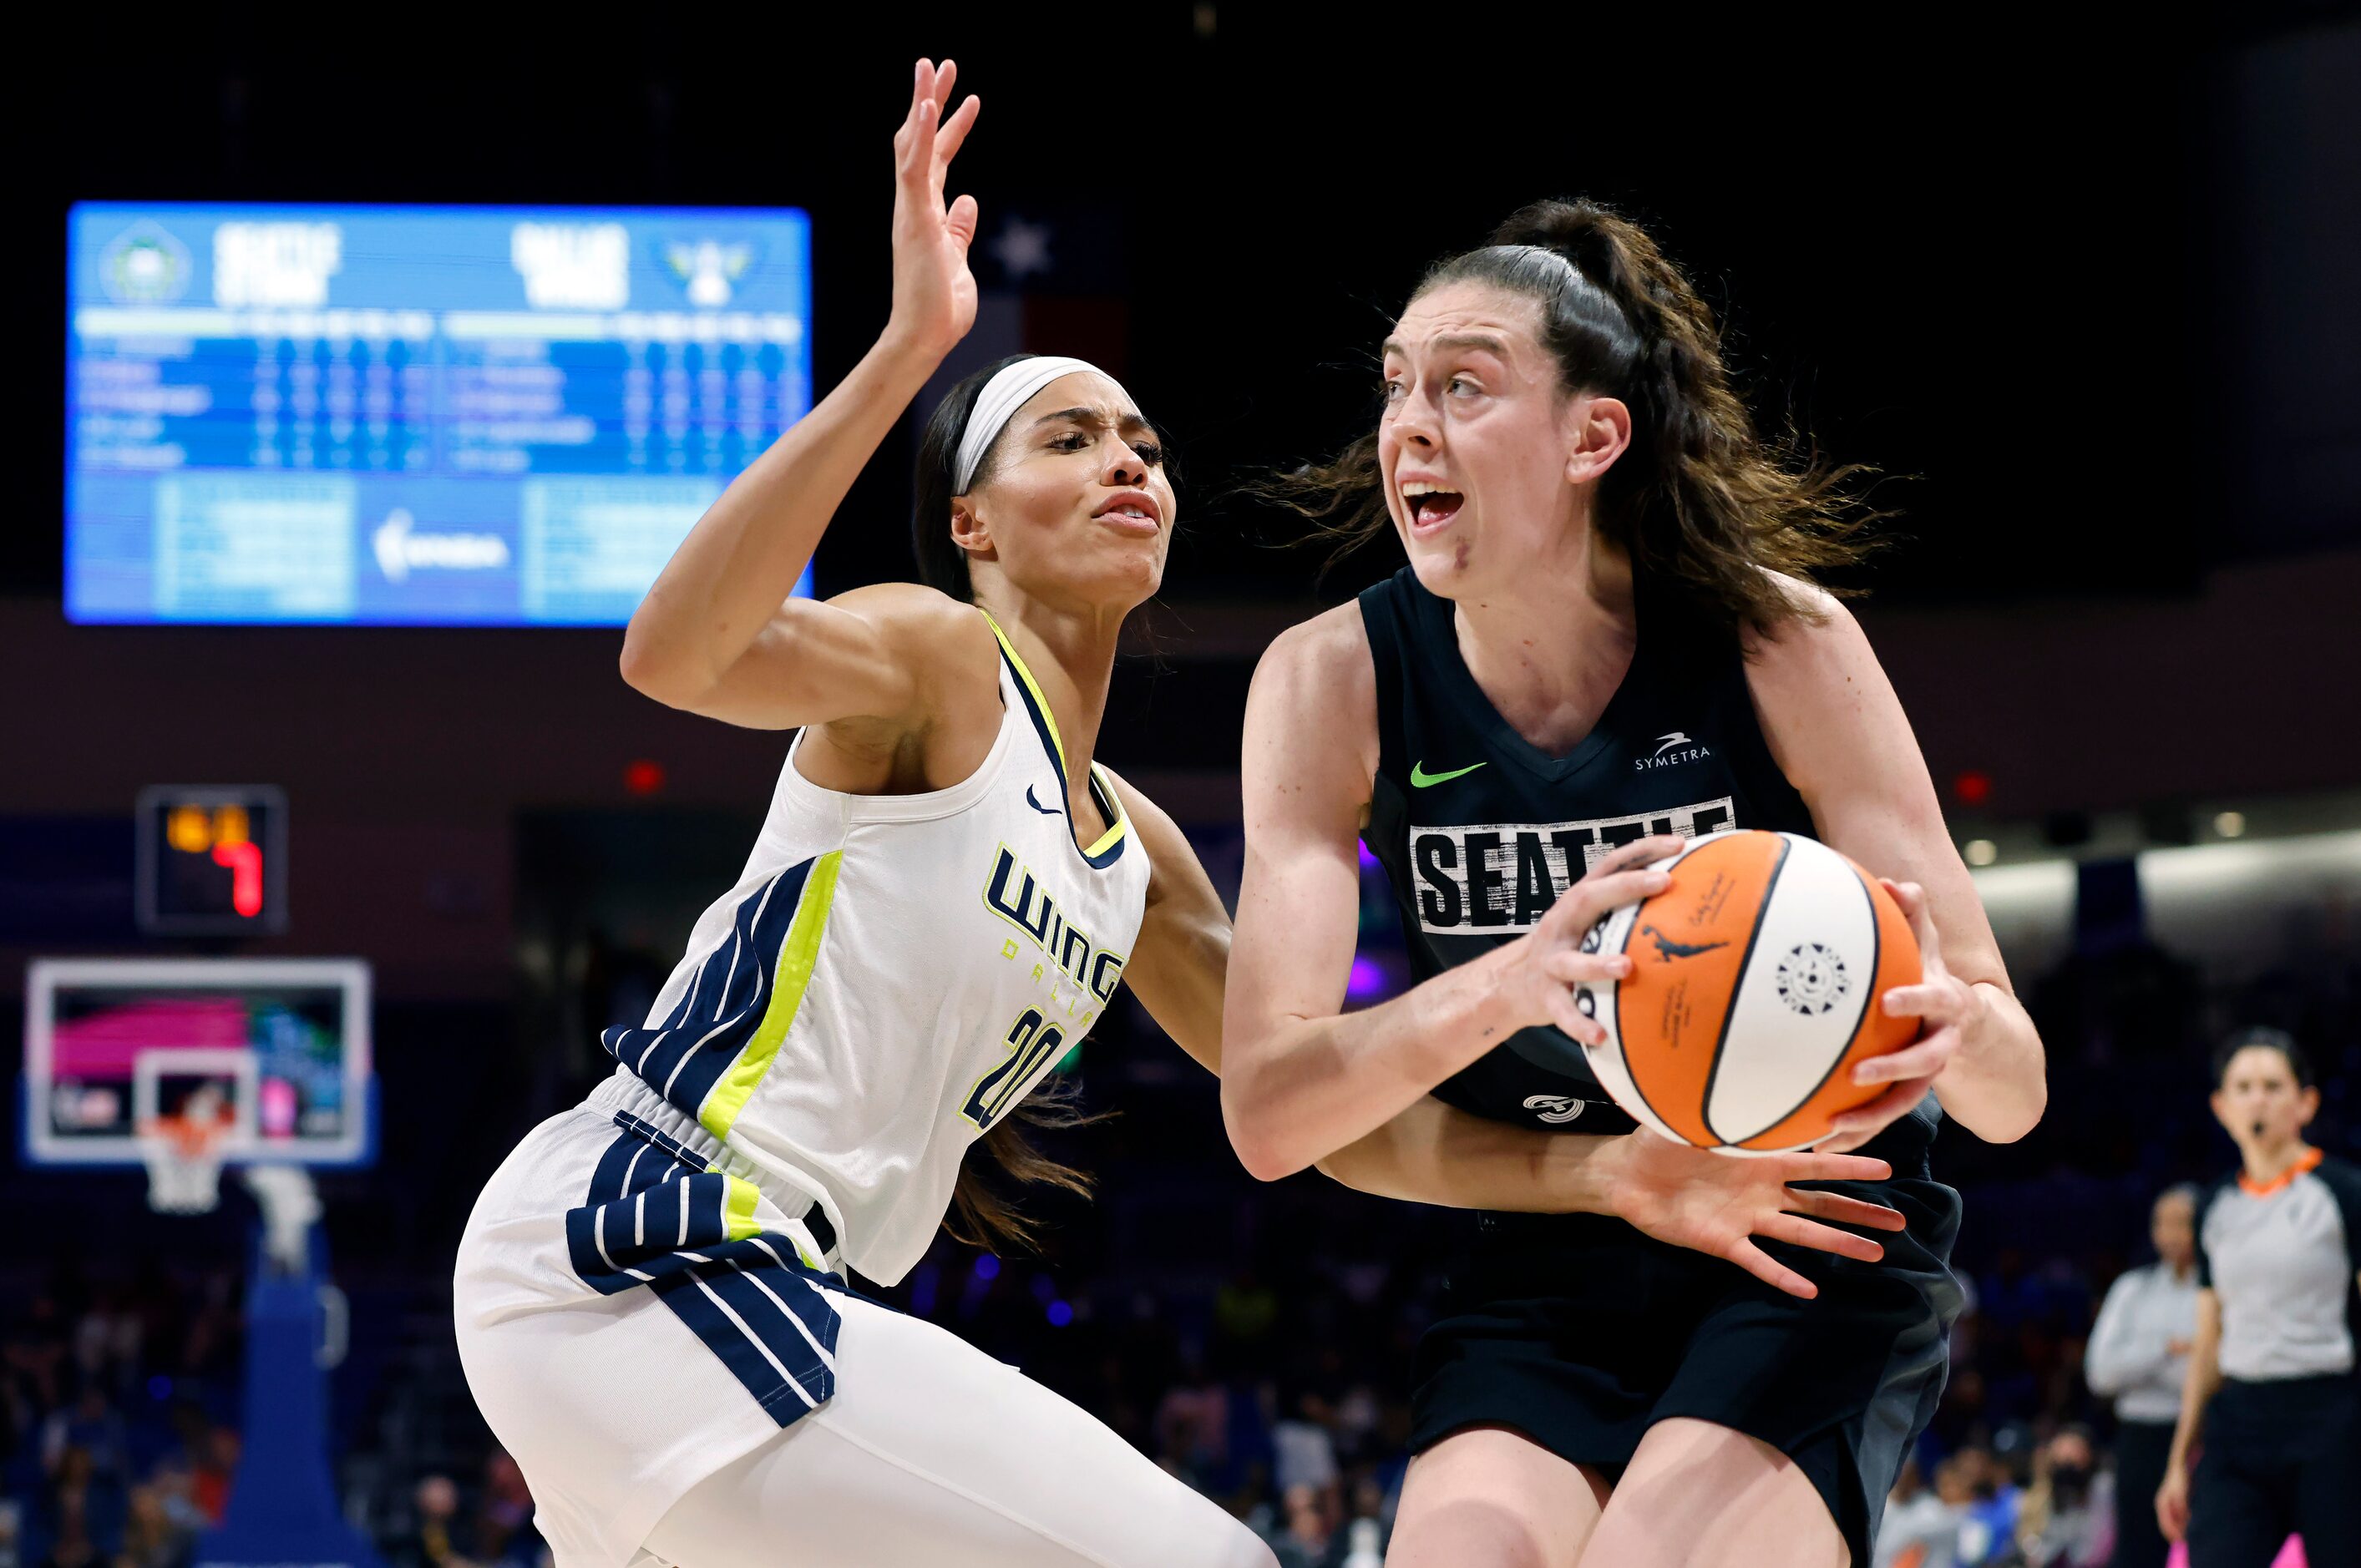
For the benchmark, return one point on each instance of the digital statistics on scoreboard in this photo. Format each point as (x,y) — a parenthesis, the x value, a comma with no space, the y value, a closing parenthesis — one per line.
(433,416)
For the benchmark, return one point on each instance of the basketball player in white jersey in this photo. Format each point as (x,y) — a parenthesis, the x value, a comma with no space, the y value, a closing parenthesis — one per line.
(944,896)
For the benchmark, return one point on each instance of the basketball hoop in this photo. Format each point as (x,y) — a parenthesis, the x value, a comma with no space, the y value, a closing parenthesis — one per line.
(183,1157)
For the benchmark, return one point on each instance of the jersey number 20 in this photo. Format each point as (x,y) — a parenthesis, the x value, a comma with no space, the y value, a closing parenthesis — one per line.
(1029,1046)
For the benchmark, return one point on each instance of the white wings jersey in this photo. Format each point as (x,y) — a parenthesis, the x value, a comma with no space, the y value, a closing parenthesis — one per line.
(891,975)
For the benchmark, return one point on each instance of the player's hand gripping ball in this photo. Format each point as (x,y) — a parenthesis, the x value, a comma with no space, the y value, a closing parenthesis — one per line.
(1753,993)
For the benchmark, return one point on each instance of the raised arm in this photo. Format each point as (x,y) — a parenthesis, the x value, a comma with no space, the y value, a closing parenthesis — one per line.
(1838,732)
(1434,1153)
(718,633)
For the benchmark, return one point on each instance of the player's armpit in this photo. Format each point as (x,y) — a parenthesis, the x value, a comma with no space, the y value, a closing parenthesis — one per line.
(1179,962)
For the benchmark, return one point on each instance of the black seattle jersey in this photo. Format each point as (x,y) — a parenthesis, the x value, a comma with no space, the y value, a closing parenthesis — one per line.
(1480,830)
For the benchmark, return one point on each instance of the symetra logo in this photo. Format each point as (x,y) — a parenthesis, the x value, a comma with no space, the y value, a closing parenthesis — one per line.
(1554,1108)
(1672,750)
(401,552)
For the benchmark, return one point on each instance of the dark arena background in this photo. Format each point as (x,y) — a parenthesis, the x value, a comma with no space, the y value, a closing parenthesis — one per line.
(2083,290)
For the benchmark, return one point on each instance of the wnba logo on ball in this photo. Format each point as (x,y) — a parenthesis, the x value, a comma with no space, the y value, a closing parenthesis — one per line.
(1811,979)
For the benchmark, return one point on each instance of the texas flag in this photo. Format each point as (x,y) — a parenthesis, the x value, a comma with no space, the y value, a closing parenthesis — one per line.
(1048,280)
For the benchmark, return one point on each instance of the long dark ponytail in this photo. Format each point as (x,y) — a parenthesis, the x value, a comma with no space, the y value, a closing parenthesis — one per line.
(1700,501)
(983,1215)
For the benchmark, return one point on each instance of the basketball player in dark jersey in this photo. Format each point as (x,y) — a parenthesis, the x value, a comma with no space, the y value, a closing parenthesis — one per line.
(1605,637)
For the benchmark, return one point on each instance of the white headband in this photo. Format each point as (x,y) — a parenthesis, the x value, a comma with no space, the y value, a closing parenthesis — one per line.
(1002,396)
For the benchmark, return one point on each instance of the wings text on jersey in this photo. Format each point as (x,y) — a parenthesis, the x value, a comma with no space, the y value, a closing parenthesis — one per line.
(1019,897)
(1503,876)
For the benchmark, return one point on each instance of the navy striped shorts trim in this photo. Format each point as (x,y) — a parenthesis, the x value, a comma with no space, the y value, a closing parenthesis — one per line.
(657,1216)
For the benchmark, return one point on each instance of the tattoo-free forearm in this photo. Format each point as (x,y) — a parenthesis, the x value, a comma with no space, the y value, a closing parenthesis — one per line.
(2197,1391)
(1997,1086)
(745,555)
(1434,1153)
(1342,1077)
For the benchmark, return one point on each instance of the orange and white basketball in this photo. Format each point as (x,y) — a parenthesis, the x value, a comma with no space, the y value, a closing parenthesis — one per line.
(1753,992)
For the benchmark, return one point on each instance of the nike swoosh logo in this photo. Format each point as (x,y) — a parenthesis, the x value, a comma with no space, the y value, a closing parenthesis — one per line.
(1419,778)
(1044,810)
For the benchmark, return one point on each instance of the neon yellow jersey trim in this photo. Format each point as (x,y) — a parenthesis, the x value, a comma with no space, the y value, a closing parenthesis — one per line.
(798,954)
(1112,803)
(738,1214)
(1017,660)
(1109,801)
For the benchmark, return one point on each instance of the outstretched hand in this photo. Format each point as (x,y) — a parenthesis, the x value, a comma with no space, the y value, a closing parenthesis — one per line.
(1941,1002)
(934,292)
(1721,1204)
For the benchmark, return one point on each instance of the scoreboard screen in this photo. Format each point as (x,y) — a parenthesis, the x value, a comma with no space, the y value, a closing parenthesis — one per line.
(422,415)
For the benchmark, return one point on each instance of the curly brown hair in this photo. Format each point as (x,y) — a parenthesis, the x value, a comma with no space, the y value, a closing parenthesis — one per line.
(1701,500)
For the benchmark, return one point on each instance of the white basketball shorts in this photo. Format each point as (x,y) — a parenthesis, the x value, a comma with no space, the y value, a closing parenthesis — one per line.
(658,1345)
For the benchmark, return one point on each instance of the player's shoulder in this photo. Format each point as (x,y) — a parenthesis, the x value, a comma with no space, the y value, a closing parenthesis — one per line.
(925,626)
(1144,813)
(914,606)
(1151,825)
(1312,709)
(1824,701)
(1815,628)
(1332,646)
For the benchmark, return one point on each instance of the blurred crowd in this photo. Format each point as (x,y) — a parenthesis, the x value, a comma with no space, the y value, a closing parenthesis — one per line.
(1254,1340)
(119,1416)
(1284,1400)
(117,1436)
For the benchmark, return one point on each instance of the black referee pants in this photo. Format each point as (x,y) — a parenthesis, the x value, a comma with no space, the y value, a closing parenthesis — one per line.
(2141,1450)
(2281,1458)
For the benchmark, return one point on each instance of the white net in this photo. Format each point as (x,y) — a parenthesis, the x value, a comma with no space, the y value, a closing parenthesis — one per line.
(289,1204)
(184,1161)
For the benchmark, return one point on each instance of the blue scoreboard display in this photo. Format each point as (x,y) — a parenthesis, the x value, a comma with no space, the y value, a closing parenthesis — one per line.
(423,415)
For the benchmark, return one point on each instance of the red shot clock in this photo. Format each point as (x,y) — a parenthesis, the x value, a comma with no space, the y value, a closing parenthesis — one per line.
(211,859)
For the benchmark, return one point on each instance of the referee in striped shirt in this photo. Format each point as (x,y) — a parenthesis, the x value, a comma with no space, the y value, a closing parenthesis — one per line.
(2140,1358)
(2274,1386)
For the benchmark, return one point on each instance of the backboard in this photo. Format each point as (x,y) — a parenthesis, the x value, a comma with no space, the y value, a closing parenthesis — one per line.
(276,1050)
